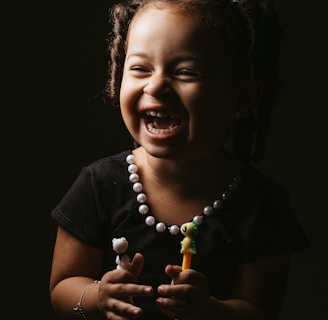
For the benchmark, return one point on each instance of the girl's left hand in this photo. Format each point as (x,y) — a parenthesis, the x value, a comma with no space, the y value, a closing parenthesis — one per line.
(188,297)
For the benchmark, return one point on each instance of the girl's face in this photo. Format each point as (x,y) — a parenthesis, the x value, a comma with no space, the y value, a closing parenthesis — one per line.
(175,95)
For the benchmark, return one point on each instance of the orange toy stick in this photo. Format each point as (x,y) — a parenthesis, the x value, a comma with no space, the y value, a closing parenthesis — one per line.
(186,262)
(188,246)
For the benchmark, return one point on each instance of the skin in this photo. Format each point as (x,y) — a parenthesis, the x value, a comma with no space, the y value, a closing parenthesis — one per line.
(172,74)
(171,68)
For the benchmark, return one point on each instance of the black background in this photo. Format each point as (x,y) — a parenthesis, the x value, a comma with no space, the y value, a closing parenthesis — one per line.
(53,63)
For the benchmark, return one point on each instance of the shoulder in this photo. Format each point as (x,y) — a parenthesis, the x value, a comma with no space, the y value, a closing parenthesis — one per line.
(261,199)
(264,217)
(112,165)
(114,159)
(104,172)
(261,184)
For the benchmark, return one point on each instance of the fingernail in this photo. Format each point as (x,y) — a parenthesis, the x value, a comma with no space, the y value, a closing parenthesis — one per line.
(135,311)
(161,289)
(148,290)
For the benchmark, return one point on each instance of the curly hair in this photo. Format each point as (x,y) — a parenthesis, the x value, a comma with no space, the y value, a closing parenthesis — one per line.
(251,34)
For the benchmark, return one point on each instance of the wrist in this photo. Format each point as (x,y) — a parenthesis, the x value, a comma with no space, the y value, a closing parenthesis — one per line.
(232,309)
(79,309)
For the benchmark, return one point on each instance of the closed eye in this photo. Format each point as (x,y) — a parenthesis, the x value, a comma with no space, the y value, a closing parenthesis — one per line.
(138,69)
(186,74)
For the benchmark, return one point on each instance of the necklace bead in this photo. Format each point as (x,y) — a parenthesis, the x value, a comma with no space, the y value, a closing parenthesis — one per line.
(217,204)
(174,229)
(160,226)
(150,221)
(208,211)
(143,209)
(137,187)
(132,168)
(141,198)
(198,220)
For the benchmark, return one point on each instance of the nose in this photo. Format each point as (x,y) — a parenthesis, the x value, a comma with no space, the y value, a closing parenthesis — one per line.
(157,85)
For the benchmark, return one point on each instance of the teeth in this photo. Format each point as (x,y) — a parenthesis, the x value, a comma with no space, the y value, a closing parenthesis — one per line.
(159,114)
(162,122)
(156,130)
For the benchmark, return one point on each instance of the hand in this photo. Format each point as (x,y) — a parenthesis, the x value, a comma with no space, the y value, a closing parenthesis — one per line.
(116,289)
(188,296)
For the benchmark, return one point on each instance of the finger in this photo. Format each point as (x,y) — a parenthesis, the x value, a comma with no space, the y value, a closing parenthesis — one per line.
(118,309)
(137,264)
(173,308)
(123,290)
(173,271)
(172,303)
(176,290)
(192,277)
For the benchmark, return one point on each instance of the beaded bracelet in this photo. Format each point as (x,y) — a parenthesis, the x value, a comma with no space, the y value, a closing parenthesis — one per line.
(78,309)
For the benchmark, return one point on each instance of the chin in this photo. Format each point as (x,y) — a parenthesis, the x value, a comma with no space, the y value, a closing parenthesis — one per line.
(164,152)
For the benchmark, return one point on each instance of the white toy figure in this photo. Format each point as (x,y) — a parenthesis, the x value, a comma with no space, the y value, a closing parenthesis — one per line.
(120,246)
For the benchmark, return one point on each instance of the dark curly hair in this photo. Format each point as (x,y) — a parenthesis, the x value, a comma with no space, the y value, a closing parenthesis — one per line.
(251,33)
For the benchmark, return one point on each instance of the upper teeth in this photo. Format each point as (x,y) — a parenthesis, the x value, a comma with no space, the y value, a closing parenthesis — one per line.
(159,114)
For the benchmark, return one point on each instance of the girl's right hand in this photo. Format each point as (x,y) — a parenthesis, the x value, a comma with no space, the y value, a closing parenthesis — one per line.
(116,289)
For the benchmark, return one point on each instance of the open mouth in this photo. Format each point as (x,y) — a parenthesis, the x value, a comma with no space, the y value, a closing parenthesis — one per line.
(162,122)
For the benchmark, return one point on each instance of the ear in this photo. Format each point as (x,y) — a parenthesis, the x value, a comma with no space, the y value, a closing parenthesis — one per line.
(247,98)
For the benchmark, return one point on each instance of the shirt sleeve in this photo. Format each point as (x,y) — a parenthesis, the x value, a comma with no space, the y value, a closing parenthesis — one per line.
(263,222)
(274,229)
(77,211)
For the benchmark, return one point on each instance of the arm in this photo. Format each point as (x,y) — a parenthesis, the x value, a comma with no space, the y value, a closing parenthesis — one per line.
(258,294)
(75,266)
(259,291)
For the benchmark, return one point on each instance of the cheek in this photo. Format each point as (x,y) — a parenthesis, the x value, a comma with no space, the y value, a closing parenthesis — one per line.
(126,98)
(123,91)
(211,113)
(130,91)
(128,106)
(129,117)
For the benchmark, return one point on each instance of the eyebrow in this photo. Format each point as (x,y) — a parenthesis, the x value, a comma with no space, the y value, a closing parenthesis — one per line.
(136,54)
(182,57)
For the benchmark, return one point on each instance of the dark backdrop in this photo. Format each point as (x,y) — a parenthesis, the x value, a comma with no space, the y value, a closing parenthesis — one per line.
(53,122)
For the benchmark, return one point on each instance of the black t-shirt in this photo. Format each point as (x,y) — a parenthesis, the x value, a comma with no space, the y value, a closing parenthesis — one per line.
(257,222)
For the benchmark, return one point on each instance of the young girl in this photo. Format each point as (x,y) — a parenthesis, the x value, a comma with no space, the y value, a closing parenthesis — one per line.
(194,80)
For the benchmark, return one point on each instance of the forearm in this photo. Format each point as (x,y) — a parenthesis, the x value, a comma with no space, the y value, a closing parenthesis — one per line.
(67,293)
(233,309)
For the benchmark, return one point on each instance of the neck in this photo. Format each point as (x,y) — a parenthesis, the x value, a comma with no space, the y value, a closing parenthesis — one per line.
(187,174)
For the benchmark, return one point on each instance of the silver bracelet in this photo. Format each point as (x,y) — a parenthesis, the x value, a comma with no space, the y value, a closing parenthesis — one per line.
(78,309)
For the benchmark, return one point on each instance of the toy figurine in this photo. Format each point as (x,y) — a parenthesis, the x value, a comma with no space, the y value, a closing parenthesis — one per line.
(188,244)
(120,246)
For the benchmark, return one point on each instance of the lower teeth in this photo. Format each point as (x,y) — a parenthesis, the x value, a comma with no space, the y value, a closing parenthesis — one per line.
(156,130)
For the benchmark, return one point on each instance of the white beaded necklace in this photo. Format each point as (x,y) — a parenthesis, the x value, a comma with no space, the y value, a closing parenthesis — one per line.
(160,226)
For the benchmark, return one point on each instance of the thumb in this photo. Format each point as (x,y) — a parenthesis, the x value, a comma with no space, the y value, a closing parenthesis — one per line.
(137,264)
(173,271)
